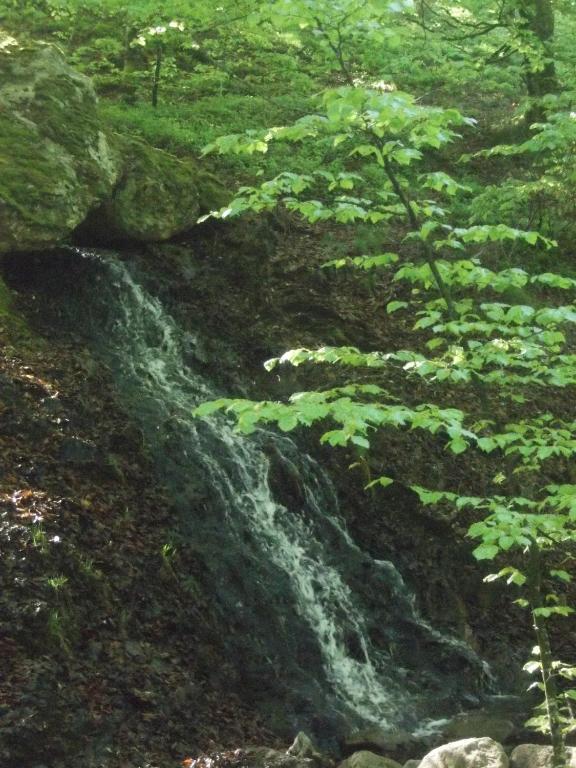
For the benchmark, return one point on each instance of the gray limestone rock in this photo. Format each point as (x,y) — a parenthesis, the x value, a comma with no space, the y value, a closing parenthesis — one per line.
(537,756)
(467,753)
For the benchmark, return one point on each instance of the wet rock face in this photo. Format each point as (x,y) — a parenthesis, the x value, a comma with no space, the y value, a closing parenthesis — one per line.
(56,160)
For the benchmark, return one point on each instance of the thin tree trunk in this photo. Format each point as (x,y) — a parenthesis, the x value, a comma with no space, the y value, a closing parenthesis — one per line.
(430,259)
(336,49)
(546,661)
(156,80)
(427,252)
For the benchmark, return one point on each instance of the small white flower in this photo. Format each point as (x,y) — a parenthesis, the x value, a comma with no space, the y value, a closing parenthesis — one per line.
(382,85)
(6,41)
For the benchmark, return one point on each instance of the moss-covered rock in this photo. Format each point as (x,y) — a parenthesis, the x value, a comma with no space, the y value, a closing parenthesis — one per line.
(213,194)
(60,169)
(155,199)
(56,162)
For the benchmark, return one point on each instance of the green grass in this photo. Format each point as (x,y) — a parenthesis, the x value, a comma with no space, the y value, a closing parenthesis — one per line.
(185,129)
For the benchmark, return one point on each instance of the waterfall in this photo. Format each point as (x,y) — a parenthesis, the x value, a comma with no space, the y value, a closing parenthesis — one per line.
(309,614)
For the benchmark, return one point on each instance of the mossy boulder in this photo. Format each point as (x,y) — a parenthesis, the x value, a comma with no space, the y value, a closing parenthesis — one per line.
(56,162)
(61,170)
(365,759)
(213,194)
(156,197)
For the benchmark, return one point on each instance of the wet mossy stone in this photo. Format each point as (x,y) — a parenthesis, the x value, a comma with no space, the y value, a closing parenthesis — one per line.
(155,199)
(213,194)
(365,759)
(56,162)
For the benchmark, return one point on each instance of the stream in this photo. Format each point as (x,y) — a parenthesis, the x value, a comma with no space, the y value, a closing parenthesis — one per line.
(323,636)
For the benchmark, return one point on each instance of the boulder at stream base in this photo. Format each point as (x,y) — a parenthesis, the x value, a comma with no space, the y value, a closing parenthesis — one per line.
(56,162)
(467,753)
(537,756)
(365,759)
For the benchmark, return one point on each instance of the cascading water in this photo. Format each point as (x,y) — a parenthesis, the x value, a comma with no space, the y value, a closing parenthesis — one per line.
(313,620)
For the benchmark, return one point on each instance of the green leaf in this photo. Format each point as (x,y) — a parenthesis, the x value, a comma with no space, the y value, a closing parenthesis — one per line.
(383,481)
(288,422)
(532,667)
(487,444)
(335,437)
(458,444)
(555,610)
(341,137)
(561,575)
(485,552)
(210,407)
(506,542)
(394,306)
